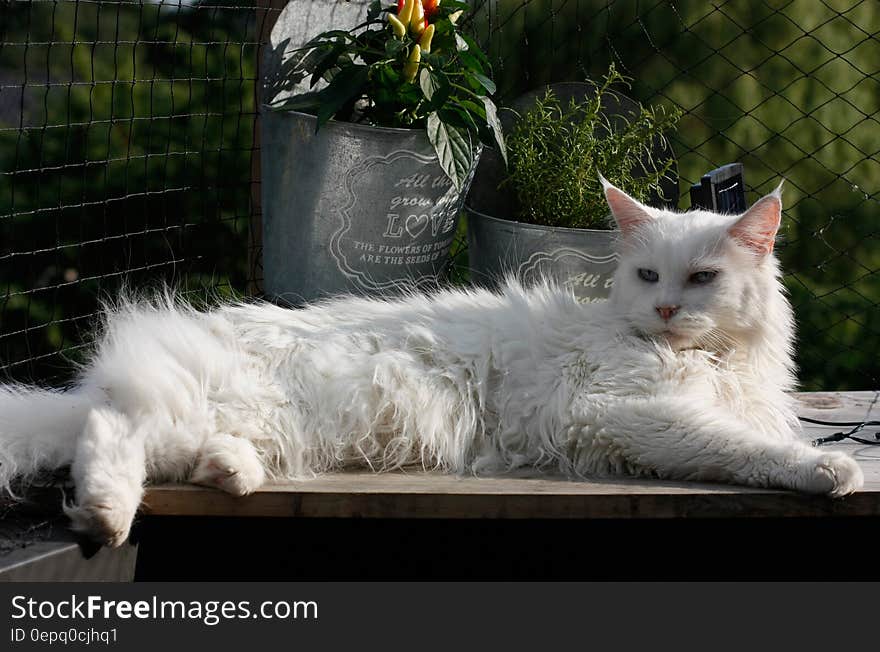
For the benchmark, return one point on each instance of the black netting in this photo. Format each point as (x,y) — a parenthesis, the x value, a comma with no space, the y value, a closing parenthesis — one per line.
(126,137)
(127,145)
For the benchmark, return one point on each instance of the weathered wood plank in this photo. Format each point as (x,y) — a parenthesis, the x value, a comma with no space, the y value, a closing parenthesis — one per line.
(528,495)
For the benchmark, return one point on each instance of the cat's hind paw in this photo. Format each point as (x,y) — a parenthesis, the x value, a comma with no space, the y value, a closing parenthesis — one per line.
(835,474)
(108,472)
(105,520)
(230,464)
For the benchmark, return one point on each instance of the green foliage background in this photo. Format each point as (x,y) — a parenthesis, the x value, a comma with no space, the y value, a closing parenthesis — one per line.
(126,139)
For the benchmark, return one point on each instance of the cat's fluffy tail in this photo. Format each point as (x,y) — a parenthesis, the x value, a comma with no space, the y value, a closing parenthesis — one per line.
(38,429)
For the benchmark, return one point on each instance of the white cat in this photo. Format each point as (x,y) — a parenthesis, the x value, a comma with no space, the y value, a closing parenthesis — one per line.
(681,374)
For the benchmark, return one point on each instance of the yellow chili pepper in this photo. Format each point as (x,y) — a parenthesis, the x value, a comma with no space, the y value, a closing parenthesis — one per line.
(425,41)
(398,27)
(417,20)
(405,14)
(411,67)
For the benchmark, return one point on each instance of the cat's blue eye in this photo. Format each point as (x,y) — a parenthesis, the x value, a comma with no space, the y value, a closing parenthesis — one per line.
(648,275)
(704,276)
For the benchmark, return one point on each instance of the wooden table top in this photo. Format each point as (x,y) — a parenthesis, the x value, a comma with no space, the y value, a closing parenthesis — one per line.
(417,494)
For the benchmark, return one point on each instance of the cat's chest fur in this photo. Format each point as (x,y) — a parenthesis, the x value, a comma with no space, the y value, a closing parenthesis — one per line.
(605,378)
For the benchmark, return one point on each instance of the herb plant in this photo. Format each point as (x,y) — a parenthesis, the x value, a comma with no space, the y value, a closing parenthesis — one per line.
(556,153)
(407,65)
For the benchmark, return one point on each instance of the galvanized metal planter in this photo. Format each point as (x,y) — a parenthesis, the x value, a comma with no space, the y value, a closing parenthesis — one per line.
(351,209)
(581,259)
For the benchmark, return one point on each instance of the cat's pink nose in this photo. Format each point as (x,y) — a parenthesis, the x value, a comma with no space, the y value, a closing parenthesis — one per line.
(667,312)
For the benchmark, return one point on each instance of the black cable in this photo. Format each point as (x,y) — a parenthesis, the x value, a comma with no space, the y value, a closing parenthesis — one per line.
(840,436)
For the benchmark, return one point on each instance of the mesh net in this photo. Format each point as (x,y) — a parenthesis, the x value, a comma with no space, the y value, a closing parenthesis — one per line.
(126,137)
(127,146)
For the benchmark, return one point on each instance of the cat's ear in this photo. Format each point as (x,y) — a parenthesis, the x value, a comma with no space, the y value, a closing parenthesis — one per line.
(628,213)
(756,229)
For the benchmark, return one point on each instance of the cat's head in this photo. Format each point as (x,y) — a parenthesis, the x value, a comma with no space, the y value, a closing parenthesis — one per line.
(698,279)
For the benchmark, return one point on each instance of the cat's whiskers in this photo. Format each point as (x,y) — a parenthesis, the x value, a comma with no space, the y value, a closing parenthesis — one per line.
(717,341)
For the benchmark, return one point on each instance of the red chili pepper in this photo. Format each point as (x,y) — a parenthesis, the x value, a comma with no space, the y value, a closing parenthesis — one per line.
(400,4)
(431,7)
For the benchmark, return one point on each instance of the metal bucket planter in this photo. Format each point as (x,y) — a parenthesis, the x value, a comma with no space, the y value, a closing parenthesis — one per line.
(581,259)
(351,209)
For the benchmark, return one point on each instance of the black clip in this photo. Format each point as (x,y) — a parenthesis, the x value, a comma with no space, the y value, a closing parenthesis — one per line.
(722,190)
(840,436)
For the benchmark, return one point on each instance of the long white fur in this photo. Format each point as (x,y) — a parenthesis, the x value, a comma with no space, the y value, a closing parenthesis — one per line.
(464,381)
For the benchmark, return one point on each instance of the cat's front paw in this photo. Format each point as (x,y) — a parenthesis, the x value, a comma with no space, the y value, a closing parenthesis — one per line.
(834,474)
(104,520)
(229,464)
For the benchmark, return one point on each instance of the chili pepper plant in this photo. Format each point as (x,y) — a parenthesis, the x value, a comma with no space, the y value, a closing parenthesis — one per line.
(407,65)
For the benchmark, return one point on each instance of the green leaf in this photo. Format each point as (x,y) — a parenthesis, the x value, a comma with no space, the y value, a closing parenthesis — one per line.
(485,82)
(429,83)
(453,114)
(474,49)
(434,59)
(334,34)
(472,64)
(393,46)
(435,86)
(473,107)
(326,62)
(386,77)
(495,125)
(457,116)
(308,60)
(345,87)
(453,148)
(309,100)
